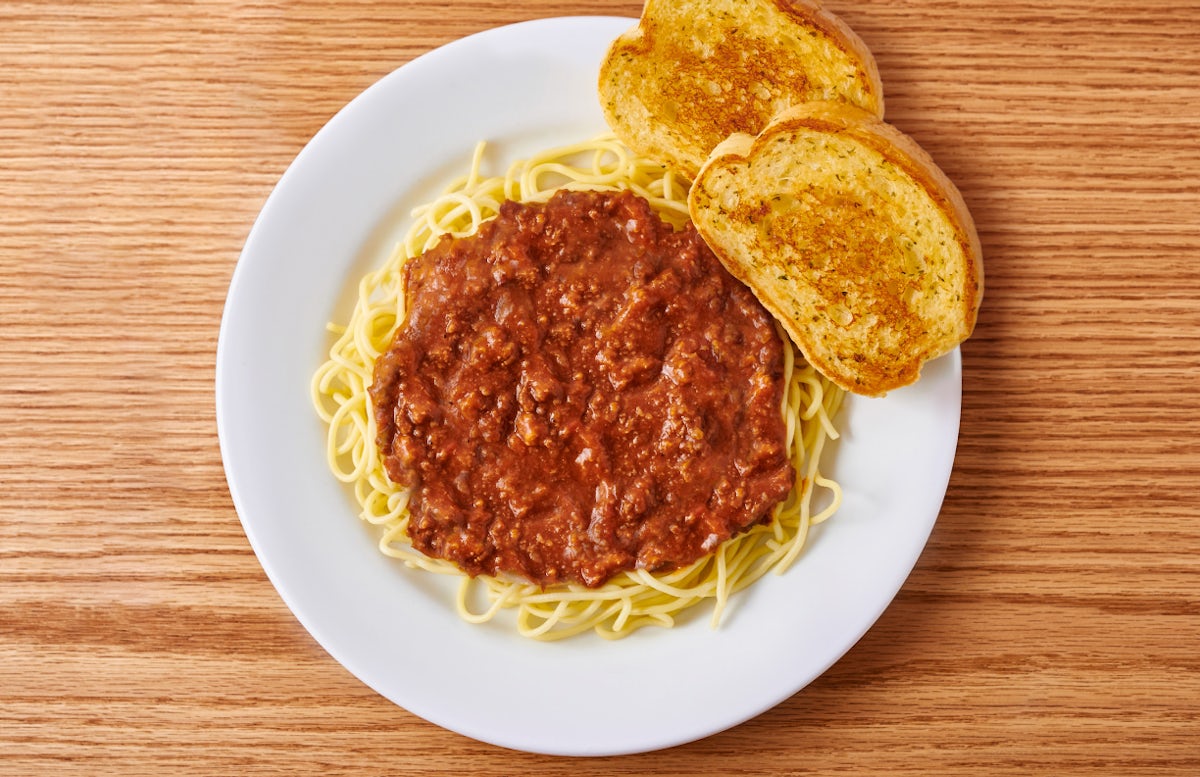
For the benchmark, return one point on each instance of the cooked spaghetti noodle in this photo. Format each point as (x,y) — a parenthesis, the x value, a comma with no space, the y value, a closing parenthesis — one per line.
(631,599)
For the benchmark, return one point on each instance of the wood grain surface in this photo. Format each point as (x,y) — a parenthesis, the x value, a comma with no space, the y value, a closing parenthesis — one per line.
(1052,626)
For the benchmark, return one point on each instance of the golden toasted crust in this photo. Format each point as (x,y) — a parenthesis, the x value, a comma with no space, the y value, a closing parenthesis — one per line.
(692,72)
(849,233)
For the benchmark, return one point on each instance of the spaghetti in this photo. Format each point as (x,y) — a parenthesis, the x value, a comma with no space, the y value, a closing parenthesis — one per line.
(631,599)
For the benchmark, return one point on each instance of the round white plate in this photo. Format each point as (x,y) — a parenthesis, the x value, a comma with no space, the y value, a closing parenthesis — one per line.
(335,214)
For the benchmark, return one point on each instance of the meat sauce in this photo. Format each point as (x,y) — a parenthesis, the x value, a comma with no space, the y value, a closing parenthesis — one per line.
(578,390)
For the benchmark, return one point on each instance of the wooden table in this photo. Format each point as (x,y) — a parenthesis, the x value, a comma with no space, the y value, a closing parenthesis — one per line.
(1052,626)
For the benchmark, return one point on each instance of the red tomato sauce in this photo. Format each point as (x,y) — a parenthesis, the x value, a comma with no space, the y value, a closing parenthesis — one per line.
(577,390)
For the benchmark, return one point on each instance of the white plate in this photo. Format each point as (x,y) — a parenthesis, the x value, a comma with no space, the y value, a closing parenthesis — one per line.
(336,213)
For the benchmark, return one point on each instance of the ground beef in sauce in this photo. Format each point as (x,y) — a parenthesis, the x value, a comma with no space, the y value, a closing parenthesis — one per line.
(579,390)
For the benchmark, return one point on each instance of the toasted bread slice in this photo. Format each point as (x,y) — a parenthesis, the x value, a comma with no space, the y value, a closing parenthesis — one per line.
(851,236)
(692,72)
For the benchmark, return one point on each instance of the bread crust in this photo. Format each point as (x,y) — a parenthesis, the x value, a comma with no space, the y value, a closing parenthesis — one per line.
(844,290)
(691,73)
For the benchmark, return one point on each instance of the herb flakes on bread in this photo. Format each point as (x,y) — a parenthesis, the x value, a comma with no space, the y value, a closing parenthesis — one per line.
(851,236)
(692,72)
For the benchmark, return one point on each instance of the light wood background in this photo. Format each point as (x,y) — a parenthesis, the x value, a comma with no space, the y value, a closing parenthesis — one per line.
(1052,626)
